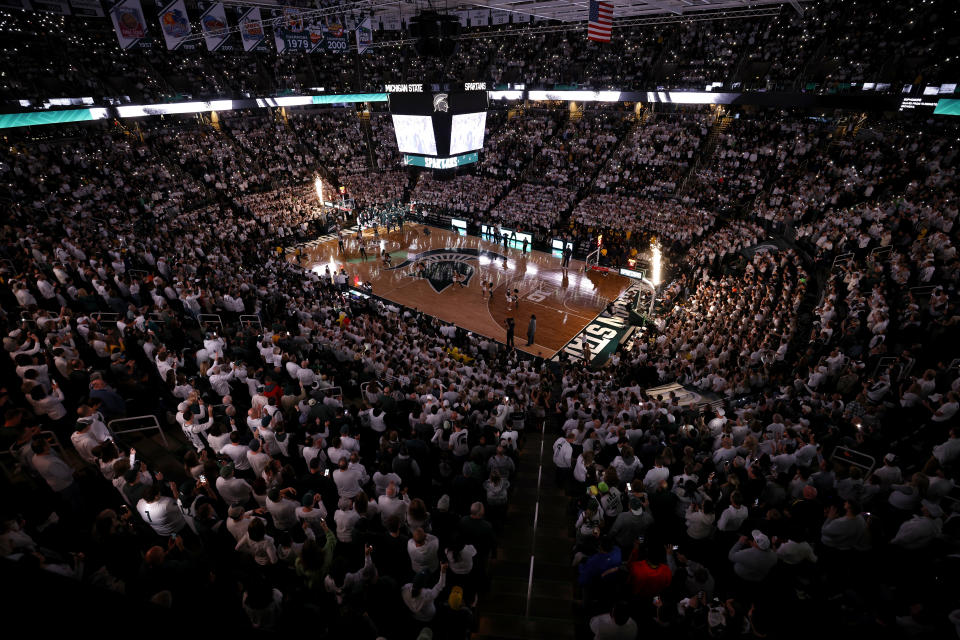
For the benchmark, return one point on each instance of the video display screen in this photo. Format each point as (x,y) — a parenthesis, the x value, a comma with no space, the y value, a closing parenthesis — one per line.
(415,134)
(456,121)
(466,132)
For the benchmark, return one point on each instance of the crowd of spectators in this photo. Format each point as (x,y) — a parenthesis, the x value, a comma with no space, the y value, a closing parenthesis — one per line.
(573,156)
(287,213)
(465,195)
(656,155)
(385,140)
(219,161)
(750,153)
(509,149)
(726,240)
(101,326)
(822,470)
(376,188)
(277,149)
(337,138)
(531,206)
(675,225)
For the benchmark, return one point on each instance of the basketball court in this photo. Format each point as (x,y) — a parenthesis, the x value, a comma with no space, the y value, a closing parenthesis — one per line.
(441,274)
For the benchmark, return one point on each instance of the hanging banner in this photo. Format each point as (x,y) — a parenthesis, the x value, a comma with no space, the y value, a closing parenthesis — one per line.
(251,30)
(129,23)
(501,17)
(174,24)
(335,36)
(89,8)
(61,7)
(390,22)
(213,23)
(521,17)
(289,34)
(462,16)
(293,33)
(364,36)
(408,11)
(479,18)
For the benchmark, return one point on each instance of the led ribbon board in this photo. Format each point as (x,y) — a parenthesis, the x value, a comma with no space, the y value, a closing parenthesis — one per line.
(34,118)
(440,163)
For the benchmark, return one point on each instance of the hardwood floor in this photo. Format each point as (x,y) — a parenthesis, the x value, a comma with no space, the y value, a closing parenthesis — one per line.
(421,276)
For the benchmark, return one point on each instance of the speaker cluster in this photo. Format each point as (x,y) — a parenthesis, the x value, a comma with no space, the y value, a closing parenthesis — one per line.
(435,33)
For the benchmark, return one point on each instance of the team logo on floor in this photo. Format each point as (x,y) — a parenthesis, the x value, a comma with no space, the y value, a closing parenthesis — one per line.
(440,266)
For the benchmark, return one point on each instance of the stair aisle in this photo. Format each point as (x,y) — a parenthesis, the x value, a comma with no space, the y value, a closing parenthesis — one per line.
(531,594)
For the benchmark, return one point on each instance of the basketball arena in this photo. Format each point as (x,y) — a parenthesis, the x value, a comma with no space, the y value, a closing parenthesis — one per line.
(504,319)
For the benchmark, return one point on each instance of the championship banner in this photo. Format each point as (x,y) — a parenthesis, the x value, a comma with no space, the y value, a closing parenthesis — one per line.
(213,23)
(89,8)
(251,30)
(52,6)
(174,24)
(292,33)
(335,37)
(129,23)
(500,17)
(364,36)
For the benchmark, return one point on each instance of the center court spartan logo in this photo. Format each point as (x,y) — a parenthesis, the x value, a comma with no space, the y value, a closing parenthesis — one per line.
(439,265)
(440,103)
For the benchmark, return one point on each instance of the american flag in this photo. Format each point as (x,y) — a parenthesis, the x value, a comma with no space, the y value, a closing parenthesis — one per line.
(601,21)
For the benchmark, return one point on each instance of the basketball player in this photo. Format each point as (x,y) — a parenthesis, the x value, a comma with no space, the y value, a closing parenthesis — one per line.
(340,241)
(363,252)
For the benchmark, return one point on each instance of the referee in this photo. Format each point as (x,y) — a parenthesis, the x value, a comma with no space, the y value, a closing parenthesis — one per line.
(567,254)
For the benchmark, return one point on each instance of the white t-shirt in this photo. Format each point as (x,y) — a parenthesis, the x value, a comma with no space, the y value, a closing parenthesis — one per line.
(163,515)
(465,564)
(284,513)
(425,556)
(732,517)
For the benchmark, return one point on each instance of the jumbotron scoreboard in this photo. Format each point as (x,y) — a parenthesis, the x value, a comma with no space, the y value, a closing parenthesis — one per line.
(437,128)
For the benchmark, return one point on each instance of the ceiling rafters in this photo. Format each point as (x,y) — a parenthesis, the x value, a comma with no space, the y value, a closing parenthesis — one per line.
(568,10)
(627,13)
(533,30)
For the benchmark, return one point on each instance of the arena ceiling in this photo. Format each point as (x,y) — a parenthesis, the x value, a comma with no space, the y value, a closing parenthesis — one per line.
(561,10)
(576,11)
